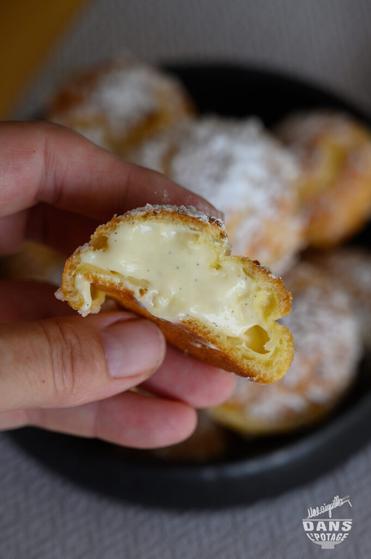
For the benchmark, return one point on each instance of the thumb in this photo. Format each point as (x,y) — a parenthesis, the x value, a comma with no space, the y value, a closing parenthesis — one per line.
(67,361)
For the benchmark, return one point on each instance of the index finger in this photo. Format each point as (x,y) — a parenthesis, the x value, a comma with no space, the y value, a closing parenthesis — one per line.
(43,162)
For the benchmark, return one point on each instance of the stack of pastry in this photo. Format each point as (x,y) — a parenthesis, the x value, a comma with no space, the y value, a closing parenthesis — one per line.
(306,185)
(331,286)
(146,116)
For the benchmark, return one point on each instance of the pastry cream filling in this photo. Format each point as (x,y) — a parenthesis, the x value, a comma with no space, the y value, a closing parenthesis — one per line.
(176,274)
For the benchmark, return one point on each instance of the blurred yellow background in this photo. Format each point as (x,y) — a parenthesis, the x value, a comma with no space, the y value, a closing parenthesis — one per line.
(28,30)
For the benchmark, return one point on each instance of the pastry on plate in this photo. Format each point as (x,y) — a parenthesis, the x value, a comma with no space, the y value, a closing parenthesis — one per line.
(351,268)
(242,171)
(327,349)
(173,265)
(120,104)
(334,151)
(34,261)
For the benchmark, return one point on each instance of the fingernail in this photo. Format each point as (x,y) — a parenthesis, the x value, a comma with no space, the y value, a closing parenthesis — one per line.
(132,347)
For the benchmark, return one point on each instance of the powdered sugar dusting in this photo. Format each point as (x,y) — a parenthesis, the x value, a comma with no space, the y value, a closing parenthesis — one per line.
(124,94)
(301,129)
(237,167)
(352,269)
(182,210)
(308,133)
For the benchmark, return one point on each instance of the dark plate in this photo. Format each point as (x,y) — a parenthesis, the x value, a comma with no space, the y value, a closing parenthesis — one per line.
(249,470)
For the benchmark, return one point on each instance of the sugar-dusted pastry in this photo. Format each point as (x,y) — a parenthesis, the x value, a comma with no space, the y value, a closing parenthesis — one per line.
(34,261)
(120,104)
(242,171)
(327,350)
(173,265)
(334,151)
(351,268)
(208,442)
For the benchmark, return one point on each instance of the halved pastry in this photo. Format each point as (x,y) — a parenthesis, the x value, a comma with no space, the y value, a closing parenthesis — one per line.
(334,152)
(173,265)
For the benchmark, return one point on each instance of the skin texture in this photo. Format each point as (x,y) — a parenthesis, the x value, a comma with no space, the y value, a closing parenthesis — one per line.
(66,373)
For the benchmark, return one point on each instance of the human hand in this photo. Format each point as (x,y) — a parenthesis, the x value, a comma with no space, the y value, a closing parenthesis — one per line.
(69,374)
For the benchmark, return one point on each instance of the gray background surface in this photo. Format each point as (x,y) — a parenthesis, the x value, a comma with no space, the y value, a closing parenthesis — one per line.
(42,516)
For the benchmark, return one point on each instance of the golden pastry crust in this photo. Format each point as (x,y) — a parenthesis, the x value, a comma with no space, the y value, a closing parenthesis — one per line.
(120,104)
(34,261)
(327,350)
(334,151)
(263,353)
(242,171)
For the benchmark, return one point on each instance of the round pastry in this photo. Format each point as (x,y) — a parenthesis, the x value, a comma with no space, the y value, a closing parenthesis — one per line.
(243,172)
(334,152)
(327,350)
(208,442)
(34,261)
(173,265)
(120,104)
(351,268)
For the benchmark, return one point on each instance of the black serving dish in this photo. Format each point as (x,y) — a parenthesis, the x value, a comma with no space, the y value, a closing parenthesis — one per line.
(249,470)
